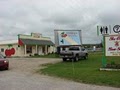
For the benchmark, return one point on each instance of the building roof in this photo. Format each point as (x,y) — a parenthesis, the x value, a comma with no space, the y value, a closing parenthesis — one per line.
(36,42)
(9,42)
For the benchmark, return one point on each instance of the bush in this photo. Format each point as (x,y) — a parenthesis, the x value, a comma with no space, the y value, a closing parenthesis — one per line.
(36,54)
(113,65)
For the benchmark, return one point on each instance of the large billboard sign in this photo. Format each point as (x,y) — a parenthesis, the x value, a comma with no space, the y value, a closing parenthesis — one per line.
(112,45)
(68,37)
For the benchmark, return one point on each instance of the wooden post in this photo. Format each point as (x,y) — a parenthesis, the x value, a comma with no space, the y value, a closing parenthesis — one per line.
(36,49)
(25,50)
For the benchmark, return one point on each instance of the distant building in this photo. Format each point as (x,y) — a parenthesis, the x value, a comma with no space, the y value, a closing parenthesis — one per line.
(93,47)
(27,45)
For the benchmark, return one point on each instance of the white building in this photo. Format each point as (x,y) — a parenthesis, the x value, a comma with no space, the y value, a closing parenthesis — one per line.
(27,45)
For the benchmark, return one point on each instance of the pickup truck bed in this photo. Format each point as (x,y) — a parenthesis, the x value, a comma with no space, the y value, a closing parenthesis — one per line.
(74,53)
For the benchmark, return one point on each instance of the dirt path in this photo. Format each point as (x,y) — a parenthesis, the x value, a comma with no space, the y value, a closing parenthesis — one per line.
(29,65)
(22,76)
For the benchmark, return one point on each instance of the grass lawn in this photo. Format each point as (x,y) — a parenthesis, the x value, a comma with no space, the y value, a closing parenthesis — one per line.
(86,71)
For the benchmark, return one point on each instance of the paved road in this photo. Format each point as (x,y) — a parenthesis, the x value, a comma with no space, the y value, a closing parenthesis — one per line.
(22,76)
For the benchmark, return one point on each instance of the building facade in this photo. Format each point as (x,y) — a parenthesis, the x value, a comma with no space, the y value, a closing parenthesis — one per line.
(27,45)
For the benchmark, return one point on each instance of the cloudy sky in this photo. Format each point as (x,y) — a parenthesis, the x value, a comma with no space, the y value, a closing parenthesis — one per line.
(43,16)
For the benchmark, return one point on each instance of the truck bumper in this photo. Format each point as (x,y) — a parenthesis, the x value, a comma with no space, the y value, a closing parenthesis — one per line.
(67,57)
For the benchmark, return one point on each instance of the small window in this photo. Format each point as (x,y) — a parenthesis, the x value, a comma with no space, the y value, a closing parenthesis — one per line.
(83,49)
(2,49)
(74,48)
(16,48)
(63,49)
(29,49)
(1,56)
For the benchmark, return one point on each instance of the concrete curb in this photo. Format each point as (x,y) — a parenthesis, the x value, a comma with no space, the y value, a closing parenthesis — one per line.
(109,69)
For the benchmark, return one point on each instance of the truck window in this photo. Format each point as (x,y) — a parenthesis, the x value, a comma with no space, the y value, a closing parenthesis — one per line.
(83,49)
(74,48)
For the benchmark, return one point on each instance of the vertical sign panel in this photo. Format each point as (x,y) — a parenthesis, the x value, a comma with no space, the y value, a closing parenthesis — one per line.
(112,44)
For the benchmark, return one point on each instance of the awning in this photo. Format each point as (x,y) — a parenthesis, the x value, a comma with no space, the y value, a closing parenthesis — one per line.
(34,42)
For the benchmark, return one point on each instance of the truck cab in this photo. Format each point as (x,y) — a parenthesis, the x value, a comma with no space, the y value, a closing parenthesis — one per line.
(74,53)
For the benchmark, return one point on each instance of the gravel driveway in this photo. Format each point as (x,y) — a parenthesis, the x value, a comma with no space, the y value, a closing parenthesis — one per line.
(22,76)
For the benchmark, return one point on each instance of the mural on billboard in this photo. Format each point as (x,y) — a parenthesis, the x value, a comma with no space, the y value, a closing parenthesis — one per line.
(69,37)
(9,51)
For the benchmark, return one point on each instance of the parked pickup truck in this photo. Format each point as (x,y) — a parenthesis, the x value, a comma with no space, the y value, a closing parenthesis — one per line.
(74,53)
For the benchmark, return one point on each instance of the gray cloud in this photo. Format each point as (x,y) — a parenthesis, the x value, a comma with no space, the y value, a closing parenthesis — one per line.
(43,16)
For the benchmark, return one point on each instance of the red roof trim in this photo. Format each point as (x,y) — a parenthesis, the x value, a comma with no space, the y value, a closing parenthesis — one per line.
(20,42)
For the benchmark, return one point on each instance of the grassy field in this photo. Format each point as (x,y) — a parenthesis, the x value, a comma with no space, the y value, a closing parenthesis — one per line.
(86,71)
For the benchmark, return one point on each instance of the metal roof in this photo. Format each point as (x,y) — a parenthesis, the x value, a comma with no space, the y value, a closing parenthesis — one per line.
(36,42)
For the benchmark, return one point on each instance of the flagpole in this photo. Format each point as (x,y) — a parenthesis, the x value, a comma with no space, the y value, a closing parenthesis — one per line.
(98,30)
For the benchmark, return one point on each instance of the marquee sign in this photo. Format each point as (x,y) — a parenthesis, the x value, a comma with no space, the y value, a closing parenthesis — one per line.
(112,45)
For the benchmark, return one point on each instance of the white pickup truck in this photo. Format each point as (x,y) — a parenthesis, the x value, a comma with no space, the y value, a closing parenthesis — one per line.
(74,53)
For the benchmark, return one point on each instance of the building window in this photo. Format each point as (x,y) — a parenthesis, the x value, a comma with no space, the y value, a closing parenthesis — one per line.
(29,49)
(2,49)
(16,48)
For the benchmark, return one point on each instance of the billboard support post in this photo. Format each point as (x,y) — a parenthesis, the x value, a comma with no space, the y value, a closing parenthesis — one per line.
(104,61)
(101,31)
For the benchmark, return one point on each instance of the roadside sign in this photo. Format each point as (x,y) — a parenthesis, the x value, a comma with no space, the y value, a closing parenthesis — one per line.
(111,41)
(68,37)
(101,30)
(112,45)
(109,30)
(116,28)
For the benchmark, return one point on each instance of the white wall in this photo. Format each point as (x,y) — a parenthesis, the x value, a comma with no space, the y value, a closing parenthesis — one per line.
(6,47)
(20,51)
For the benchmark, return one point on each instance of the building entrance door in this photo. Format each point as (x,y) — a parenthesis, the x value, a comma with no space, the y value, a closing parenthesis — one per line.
(40,51)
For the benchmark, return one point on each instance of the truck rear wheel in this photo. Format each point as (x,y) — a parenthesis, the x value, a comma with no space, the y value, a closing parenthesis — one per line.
(64,59)
(86,56)
(76,59)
